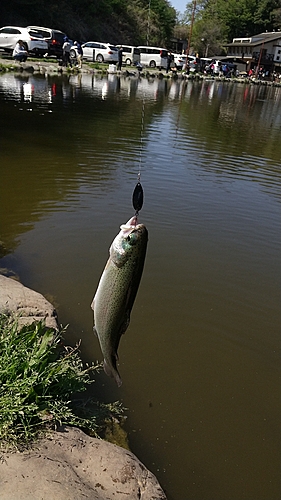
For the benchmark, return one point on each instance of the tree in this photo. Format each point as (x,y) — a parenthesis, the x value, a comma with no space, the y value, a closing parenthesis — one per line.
(217,22)
(208,35)
(117,21)
(244,17)
(163,17)
(268,15)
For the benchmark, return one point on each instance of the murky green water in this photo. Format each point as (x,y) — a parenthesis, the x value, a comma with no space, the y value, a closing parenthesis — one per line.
(200,361)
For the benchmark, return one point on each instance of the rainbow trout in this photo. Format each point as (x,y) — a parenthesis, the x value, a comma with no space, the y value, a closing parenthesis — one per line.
(117,289)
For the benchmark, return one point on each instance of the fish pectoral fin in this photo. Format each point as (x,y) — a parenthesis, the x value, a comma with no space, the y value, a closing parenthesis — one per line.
(126,323)
(111,371)
(95,331)
(119,258)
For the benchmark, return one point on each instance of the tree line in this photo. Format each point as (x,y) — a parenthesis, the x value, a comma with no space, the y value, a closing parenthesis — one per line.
(152,22)
(117,21)
(217,22)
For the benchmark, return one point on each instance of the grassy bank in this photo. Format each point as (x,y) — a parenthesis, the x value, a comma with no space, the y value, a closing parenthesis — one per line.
(41,381)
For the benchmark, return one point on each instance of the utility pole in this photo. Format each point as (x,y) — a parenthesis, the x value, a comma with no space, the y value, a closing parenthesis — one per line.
(191,26)
(148,24)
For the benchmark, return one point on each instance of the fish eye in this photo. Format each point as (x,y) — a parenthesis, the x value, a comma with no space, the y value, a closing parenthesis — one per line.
(131,238)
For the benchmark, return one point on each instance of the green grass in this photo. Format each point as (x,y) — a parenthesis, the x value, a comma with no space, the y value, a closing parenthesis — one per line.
(42,59)
(39,381)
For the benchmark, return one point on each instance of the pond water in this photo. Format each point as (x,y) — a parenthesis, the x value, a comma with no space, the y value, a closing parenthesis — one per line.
(200,361)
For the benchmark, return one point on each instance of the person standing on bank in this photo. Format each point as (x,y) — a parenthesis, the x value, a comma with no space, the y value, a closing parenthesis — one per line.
(120,57)
(20,53)
(79,54)
(66,52)
(170,59)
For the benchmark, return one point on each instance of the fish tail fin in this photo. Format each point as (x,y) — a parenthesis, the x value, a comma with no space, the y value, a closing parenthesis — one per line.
(112,371)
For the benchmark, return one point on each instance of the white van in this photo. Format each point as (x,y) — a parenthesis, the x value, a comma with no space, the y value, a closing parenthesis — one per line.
(131,54)
(153,56)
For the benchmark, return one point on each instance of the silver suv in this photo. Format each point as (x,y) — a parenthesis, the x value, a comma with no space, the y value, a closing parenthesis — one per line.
(10,35)
(54,39)
(98,51)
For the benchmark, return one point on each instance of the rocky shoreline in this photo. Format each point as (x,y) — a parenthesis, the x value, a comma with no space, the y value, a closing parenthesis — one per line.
(67,464)
(44,67)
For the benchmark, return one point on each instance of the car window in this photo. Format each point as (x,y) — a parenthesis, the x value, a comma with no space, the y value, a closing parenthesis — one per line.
(11,31)
(58,35)
(43,32)
(35,33)
(112,47)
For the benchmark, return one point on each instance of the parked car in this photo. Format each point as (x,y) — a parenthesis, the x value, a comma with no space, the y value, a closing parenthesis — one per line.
(130,55)
(54,39)
(97,51)
(10,35)
(179,60)
(154,57)
(194,64)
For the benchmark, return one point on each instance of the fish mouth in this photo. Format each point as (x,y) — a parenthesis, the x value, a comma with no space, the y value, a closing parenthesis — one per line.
(129,226)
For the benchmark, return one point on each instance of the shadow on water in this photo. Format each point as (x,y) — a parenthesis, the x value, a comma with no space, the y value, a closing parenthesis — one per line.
(200,361)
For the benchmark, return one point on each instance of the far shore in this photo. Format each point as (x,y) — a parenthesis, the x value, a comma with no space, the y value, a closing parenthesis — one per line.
(43,66)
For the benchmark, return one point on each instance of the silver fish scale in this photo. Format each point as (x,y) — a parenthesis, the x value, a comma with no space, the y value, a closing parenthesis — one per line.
(116,293)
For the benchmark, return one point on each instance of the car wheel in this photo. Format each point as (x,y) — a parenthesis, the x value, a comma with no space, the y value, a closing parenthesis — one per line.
(100,58)
(128,62)
(152,64)
(72,54)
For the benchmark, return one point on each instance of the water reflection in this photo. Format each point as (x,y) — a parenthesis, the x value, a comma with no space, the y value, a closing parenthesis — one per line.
(45,88)
(200,362)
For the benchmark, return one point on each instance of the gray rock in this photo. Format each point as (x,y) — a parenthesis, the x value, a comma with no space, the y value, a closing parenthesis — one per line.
(27,305)
(68,465)
(71,466)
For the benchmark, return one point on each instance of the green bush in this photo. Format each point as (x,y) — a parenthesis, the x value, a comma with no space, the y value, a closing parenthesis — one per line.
(39,378)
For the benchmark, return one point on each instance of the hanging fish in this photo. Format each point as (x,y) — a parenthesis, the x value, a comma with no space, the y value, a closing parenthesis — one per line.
(117,289)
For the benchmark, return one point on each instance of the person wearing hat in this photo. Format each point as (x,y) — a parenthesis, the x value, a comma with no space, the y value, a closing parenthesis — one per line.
(170,59)
(20,53)
(120,58)
(79,52)
(66,52)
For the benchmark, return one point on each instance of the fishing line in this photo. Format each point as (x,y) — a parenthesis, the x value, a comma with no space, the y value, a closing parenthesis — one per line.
(184,82)
(137,198)
(183,89)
